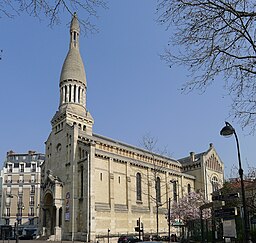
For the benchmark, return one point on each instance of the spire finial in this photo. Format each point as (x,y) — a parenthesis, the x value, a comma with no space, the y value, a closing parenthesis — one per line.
(74,26)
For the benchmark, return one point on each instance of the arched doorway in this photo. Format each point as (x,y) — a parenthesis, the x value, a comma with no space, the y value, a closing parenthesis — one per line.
(49,214)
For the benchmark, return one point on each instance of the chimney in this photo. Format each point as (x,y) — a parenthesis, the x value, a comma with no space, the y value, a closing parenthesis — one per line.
(10,152)
(211,145)
(192,156)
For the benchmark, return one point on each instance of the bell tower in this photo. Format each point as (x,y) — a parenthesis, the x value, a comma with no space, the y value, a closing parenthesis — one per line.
(73,86)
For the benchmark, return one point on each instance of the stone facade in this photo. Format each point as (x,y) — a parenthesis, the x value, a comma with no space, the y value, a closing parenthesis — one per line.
(207,168)
(92,184)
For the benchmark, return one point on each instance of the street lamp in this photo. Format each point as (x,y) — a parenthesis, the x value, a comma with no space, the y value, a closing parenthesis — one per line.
(227,131)
(18,211)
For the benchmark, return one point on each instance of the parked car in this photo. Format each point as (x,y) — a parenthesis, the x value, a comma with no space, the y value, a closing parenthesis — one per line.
(156,238)
(128,239)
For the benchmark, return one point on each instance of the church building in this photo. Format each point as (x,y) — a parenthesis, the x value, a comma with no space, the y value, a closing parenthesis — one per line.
(93,185)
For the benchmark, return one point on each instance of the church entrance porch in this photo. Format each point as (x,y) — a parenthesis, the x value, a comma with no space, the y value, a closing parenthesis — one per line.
(52,208)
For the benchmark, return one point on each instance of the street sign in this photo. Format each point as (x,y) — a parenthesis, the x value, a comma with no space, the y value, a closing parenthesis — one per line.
(214,204)
(229,228)
(221,197)
(225,212)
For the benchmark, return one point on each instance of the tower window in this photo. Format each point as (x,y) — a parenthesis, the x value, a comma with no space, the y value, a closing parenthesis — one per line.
(74,93)
(65,93)
(58,147)
(69,98)
(79,90)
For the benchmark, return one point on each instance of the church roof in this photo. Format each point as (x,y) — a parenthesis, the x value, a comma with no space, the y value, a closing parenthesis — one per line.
(195,157)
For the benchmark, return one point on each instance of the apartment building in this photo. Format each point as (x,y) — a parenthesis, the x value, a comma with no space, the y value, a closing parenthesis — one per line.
(20,197)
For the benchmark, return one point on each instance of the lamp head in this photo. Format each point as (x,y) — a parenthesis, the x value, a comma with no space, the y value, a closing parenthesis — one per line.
(227,131)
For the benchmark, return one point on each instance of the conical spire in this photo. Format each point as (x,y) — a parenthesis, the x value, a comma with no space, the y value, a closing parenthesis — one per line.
(73,78)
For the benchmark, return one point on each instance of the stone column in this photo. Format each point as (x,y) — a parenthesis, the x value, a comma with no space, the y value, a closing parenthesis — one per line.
(72,93)
(81,95)
(63,94)
(67,94)
(57,229)
(84,97)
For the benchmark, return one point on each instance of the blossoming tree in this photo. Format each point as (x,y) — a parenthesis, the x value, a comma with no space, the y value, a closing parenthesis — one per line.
(187,210)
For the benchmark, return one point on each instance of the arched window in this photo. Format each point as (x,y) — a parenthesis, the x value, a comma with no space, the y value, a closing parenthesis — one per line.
(158,189)
(215,184)
(189,188)
(138,187)
(175,194)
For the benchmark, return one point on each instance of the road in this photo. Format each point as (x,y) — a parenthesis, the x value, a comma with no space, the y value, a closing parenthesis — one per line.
(38,241)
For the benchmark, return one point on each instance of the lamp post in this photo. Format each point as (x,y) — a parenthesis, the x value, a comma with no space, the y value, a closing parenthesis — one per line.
(17,223)
(169,219)
(18,211)
(226,131)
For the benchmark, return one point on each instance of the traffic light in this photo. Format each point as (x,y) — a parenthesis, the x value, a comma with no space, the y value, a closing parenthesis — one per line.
(137,229)
(138,222)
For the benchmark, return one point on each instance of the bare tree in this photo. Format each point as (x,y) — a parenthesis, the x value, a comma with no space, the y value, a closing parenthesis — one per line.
(150,144)
(52,10)
(216,38)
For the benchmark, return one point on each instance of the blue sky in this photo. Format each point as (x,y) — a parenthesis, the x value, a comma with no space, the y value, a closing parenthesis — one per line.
(131,92)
